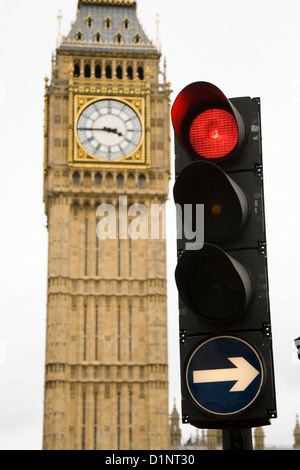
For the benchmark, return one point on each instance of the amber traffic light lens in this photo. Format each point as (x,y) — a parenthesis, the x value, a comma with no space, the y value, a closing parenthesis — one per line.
(216,209)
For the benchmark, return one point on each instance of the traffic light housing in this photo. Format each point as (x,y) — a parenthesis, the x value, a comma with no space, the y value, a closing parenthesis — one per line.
(221,273)
(297,344)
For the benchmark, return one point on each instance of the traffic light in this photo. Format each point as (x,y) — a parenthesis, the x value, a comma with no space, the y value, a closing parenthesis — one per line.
(224,316)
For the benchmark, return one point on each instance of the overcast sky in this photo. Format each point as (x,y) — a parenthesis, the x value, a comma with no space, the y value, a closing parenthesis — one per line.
(246,49)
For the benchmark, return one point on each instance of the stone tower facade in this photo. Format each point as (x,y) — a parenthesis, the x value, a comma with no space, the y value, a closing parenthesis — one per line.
(175,430)
(259,439)
(106,179)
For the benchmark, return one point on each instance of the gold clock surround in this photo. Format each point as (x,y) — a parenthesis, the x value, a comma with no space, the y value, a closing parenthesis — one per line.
(78,156)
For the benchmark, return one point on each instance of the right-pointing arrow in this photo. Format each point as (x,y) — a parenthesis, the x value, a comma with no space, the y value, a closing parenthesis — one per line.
(243,373)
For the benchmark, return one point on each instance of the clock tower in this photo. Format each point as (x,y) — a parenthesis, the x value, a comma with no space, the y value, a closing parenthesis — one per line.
(106,178)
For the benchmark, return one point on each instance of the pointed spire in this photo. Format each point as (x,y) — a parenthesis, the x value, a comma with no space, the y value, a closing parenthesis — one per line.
(297,434)
(59,36)
(175,428)
(158,42)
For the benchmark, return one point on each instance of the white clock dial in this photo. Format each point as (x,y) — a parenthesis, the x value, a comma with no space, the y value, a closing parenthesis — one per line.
(109,129)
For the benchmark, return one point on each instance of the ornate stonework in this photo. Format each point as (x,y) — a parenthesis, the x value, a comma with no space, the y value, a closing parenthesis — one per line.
(106,380)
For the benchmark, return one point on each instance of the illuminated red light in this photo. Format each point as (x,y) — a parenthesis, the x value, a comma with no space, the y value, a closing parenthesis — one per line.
(214,133)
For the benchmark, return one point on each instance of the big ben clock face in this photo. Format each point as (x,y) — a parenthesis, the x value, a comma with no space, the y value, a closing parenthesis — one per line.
(109,129)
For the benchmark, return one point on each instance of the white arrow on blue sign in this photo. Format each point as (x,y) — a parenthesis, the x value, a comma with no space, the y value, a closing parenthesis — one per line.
(224,375)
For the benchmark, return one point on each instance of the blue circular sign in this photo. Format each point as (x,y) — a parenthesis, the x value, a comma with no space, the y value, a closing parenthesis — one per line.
(224,375)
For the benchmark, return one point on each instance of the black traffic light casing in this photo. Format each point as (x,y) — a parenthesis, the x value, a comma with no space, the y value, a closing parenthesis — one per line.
(297,344)
(223,285)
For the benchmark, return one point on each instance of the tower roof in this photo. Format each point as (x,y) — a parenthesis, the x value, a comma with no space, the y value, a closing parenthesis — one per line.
(105,2)
(109,26)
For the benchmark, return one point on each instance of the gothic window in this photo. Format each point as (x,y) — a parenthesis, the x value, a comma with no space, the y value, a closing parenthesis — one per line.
(119,38)
(141,73)
(120,179)
(119,72)
(108,71)
(76,178)
(89,22)
(97,37)
(107,23)
(137,38)
(87,71)
(98,179)
(130,72)
(126,24)
(79,36)
(98,71)
(142,181)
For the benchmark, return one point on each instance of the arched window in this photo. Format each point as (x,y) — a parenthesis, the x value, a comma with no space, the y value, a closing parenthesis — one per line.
(76,178)
(137,38)
(98,179)
(79,36)
(130,72)
(119,38)
(141,73)
(97,37)
(108,71)
(98,73)
(107,23)
(126,24)
(87,71)
(76,70)
(120,179)
(142,181)
(89,22)
(119,72)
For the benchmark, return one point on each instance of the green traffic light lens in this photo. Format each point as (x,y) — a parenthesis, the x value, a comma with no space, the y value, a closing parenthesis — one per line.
(213,284)
(217,290)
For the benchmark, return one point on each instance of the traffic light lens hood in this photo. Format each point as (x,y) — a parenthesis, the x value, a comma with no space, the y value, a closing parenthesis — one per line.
(213,284)
(206,124)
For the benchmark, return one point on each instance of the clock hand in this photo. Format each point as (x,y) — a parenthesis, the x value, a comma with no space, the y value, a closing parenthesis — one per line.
(105,129)
(113,131)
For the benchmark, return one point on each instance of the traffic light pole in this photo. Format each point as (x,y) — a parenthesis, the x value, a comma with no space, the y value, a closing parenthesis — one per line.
(237,439)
